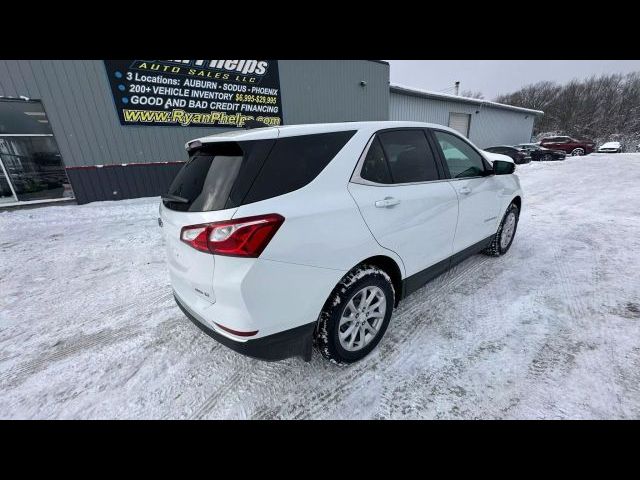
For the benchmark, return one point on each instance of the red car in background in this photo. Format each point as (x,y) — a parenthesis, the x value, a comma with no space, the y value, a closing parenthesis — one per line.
(569,145)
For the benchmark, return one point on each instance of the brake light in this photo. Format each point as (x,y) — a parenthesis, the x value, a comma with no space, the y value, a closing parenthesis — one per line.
(241,237)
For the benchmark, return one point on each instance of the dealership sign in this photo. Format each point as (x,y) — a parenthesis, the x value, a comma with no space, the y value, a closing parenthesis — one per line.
(195,93)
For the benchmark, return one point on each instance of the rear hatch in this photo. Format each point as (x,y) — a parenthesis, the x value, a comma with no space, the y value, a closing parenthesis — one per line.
(208,188)
(227,171)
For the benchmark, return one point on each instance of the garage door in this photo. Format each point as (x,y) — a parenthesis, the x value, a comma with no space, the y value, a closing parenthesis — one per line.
(460,122)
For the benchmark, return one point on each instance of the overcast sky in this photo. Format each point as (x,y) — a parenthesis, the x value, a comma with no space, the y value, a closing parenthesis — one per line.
(494,77)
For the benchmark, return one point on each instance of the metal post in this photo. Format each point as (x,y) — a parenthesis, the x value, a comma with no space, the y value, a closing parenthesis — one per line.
(6,175)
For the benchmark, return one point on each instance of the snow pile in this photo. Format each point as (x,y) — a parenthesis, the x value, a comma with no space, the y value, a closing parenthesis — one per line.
(89,328)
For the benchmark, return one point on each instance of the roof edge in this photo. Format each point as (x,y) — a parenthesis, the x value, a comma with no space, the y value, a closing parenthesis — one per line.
(396,88)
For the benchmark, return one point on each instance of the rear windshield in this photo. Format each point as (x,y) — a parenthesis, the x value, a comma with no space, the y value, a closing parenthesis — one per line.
(212,177)
(229,174)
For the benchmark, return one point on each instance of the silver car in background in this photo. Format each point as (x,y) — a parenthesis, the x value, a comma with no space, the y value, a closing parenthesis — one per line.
(610,147)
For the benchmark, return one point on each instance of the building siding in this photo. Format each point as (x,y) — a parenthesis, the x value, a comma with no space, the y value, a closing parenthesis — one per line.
(118,182)
(330,91)
(489,125)
(79,104)
(77,98)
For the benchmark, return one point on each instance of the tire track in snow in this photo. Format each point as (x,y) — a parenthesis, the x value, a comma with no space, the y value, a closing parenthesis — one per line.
(313,402)
(20,373)
(581,301)
(408,394)
(210,403)
(144,300)
(250,375)
(264,412)
(554,351)
(557,351)
(433,296)
(254,373)
(70,347)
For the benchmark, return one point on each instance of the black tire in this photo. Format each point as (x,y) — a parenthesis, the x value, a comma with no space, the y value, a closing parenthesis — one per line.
(546,157)
(326,334)
(495,249)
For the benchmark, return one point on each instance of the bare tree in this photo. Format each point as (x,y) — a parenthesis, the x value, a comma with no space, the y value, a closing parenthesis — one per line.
(600,108)
(471,94)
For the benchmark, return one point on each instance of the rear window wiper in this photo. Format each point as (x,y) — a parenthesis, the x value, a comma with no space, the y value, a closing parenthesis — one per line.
(174,198)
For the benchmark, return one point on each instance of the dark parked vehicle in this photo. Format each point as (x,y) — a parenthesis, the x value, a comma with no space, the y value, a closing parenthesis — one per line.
(518,155)
(569,145)
(541,154)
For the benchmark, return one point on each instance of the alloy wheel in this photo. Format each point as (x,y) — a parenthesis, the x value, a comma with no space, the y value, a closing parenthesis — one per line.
(362,318)
(508,229)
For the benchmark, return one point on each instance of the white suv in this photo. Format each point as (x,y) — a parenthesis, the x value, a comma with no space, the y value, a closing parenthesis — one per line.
(284,237)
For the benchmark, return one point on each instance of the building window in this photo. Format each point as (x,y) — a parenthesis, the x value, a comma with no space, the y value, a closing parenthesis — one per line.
(31,167)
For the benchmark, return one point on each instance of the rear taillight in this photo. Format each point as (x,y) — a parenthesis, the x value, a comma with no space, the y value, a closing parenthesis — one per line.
(241,237)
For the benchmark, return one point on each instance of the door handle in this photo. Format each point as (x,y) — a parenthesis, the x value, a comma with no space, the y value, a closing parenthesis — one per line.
(465,191)
(387,202)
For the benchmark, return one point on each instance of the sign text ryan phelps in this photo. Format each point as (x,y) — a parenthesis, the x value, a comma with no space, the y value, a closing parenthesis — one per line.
(185,119)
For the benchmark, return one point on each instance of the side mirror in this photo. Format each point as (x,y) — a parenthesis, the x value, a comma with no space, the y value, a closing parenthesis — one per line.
(501,167)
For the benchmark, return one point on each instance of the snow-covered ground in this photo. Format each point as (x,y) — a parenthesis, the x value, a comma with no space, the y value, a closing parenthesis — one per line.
(89,329)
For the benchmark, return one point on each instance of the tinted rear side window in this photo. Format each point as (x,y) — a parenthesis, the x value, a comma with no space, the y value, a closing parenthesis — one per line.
(294,162)
(409,156)
(374,167)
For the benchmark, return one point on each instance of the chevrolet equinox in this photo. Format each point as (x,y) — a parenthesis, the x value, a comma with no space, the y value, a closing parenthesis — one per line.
(280,239)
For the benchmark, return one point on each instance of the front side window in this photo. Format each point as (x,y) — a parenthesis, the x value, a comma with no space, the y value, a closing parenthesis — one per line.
(461,158)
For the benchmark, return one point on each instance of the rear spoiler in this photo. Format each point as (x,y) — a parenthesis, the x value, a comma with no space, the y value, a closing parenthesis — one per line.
(193,145)
(246,133)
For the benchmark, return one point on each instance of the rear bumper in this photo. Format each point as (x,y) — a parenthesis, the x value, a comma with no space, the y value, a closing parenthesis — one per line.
(295,342)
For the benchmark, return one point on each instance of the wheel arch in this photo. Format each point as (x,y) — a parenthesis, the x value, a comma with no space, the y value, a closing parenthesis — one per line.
(518,202)
(391,267)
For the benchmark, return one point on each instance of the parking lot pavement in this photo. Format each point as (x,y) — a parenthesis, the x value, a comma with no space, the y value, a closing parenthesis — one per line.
(89,328)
